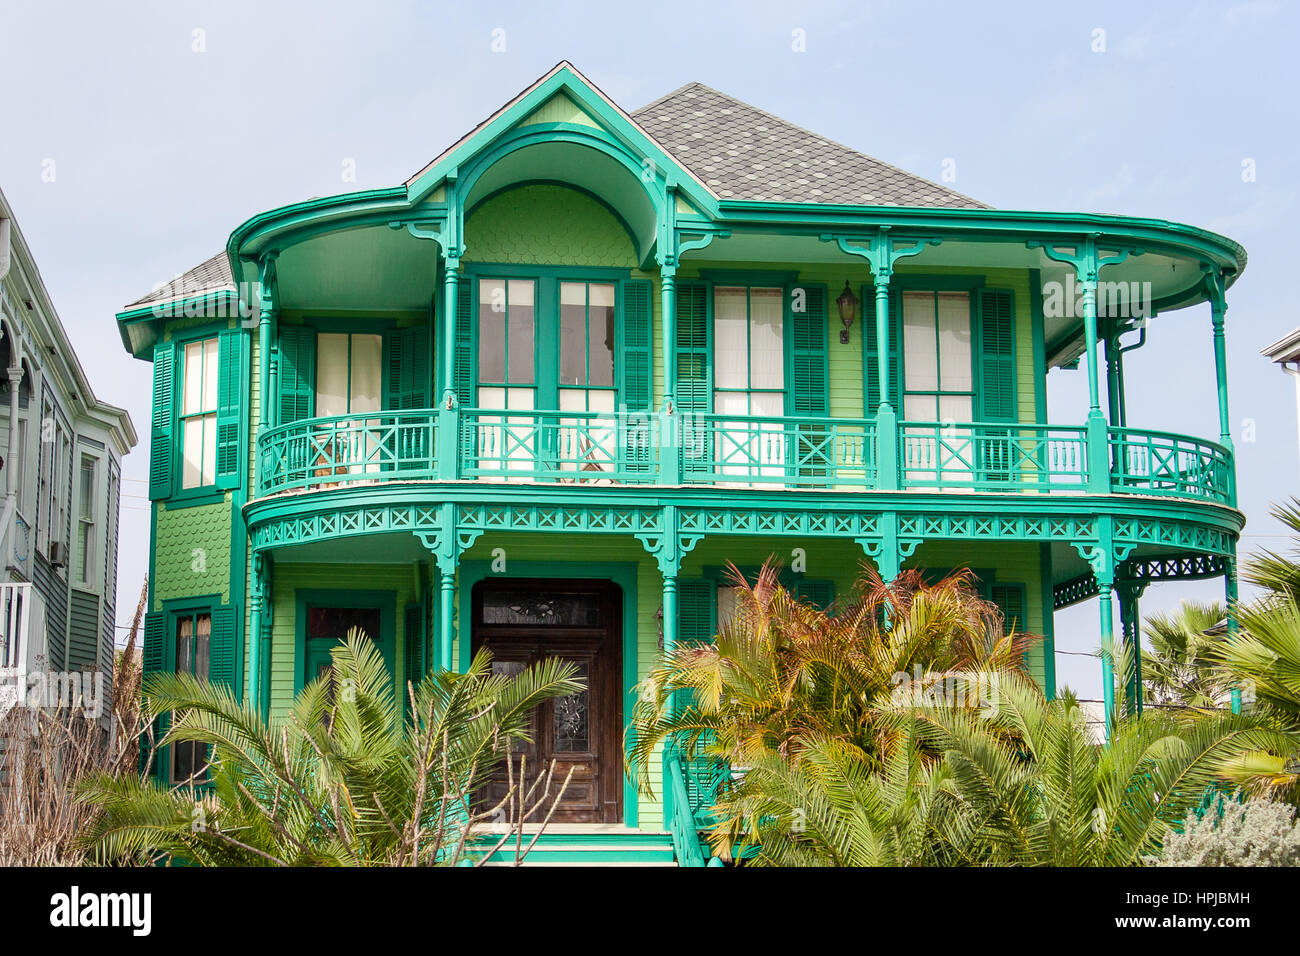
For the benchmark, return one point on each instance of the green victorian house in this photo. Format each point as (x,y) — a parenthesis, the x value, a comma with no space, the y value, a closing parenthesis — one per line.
(536,397)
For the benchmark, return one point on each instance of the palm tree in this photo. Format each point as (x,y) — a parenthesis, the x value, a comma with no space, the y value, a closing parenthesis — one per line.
(1278,573)
(782,672)
(1179,669)
(343,780)
(1024,785)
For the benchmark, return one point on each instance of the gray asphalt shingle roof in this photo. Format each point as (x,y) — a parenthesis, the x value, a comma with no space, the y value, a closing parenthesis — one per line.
(742,152)
(209,276)
(738,150)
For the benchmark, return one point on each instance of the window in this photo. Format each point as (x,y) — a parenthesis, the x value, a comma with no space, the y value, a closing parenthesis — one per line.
(349,373)
(587,376)
(44,484)
(506,337)
(749,379)
(193,647)
(86,519)
(938,384)
(199,414)
(54,478)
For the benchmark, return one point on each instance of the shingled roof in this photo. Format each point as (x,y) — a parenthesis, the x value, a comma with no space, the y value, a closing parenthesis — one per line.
(212,275)
(742,152)
(737,150)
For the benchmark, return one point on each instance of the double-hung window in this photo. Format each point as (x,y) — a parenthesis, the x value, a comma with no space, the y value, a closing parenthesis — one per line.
(587,330)
(88,475)
(198,417)
(193,650)
(749,380)
(507,374)
(938,384)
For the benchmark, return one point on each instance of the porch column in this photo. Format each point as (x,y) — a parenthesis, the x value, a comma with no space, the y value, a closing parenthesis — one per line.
(669,434)
(256,595)
(1230,596)
(1218,311)
(11,453)
(266,279)
(450,305)
(1115,411)
(886,417)
(1131,627)
(1105,585)
(446,609)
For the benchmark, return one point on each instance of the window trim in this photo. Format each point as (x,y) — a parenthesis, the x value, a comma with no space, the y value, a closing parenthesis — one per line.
(173,610)
(201,494)
(385,600)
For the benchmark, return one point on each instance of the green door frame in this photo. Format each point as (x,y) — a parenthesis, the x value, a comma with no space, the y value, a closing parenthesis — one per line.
(622,574)
(385,601)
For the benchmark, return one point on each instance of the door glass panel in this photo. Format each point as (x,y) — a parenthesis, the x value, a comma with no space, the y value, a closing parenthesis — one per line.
(601,335)
(331,374)
(540,608)
(571,722)
(367,372)
(954,343)
(333,623)
(519,347)
(766,339)
(491,330)
(573,333)
(730,338)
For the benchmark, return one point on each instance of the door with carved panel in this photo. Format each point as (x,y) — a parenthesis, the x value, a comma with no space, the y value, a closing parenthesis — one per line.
(522,621)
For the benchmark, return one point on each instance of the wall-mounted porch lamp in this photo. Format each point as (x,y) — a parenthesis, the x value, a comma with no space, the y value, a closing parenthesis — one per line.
(848,304)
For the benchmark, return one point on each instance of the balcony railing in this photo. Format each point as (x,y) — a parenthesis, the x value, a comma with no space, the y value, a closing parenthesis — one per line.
(736,451)
(324,452)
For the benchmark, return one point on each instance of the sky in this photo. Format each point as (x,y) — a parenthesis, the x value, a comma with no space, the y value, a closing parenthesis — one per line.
(169,123)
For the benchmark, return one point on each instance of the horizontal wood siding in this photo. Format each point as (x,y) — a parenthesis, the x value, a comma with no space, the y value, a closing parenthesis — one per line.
(83,630)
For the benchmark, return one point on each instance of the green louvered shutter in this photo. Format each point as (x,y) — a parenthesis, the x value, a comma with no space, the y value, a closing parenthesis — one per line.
(1010,600)
(230,406)
(406,368)
(162,450)
(809,393)
(463,370)
(818,593)
(808,389)
(695,607)
(412,648)
(222,647)
(997,356)
(995,320)
(297,383)
(634,349)
(871,358)
(694,375)
(153,659)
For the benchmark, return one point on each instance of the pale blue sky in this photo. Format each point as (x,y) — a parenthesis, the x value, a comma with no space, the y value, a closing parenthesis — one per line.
(160,151)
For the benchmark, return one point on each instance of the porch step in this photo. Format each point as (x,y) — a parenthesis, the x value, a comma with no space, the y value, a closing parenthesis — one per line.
(579,845)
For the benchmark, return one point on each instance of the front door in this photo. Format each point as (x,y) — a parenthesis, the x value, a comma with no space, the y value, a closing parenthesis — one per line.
(522,621)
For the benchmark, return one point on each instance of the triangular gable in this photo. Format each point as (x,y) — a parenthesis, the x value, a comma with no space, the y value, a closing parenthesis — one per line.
(561,83)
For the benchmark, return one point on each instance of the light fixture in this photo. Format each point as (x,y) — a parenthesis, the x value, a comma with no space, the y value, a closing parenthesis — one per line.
(848,304)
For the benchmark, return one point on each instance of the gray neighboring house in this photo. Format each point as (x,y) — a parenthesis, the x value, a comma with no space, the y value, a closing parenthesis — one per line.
(1286,353)
(61,451)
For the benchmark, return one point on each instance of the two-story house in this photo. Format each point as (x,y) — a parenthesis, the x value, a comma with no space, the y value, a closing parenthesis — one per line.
(61,451)
(536,397)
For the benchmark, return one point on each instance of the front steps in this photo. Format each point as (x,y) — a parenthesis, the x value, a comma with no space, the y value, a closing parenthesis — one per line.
(580,844)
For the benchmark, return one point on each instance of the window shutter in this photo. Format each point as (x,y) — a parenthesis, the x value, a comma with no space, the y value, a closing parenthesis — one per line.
(297,383)
(809,395)
(634,342)
(1010,599)
(406,368)
(871,361)
(695,610)
(413,647)
(230,407)
(153,654)
(997,356)
(222,647)
(161,447)
(464,348)
(694,370)
(820,594)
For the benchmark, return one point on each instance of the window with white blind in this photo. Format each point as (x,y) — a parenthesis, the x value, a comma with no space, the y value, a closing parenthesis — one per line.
(749,379)
(507,374)
(938,383)
(586,383)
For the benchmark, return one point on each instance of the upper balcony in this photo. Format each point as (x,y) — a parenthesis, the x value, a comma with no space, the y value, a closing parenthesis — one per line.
(836,455)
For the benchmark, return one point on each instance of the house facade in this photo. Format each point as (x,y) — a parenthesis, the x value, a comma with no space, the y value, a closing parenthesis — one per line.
(535,398)
(61,453)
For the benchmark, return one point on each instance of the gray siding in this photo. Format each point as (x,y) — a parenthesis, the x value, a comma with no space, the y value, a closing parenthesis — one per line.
(83,631)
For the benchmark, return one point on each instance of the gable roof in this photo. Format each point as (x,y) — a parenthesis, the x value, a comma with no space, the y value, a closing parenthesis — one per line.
(211,275)
(742,152)
(733,150)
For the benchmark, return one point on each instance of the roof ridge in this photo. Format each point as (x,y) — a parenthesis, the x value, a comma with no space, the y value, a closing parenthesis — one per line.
(817,136)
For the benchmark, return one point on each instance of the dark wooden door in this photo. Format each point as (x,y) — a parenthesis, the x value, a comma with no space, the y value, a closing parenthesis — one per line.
(522,621)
